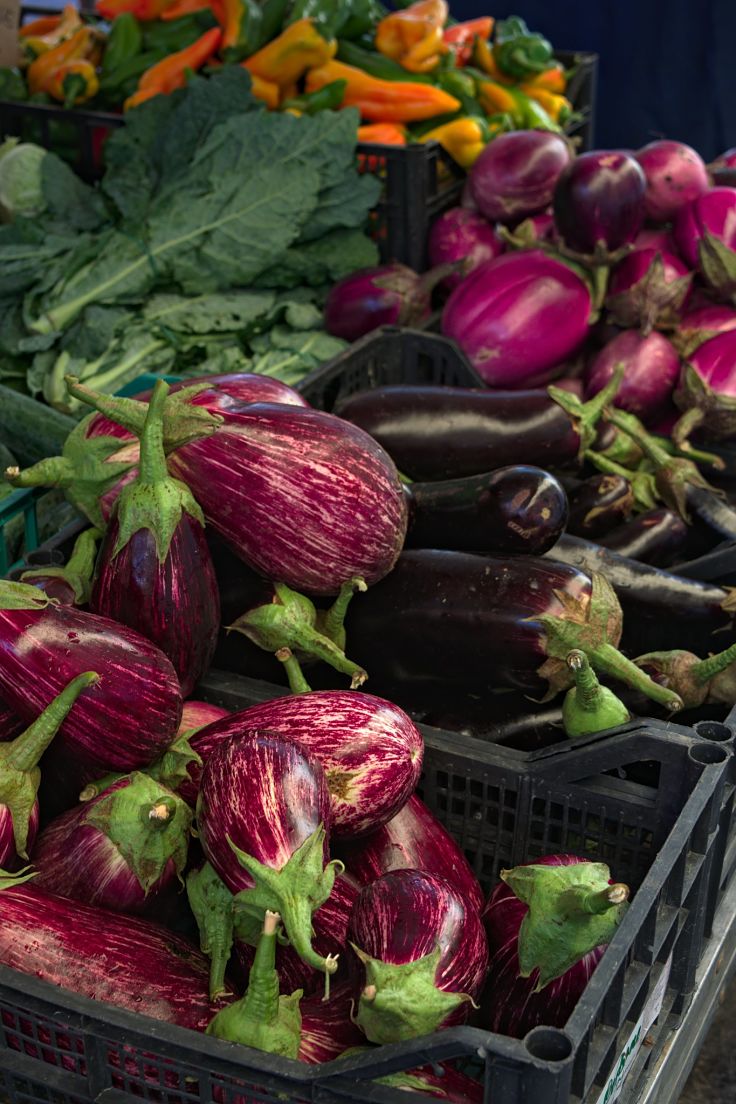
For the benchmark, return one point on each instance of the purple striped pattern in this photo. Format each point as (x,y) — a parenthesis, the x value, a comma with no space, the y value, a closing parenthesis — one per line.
(303,497)
(11,725)
(265,793)
(122,960)
(175,604)
(8,854)
(122,723)
(197,714)
(371,751)
(405,914)
(327,1026)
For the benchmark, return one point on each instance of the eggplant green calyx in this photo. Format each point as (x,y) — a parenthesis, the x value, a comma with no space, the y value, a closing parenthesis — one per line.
(588,706)
(77,572)
(290,621)
(261,1018)
(643,484)
(295,892)
(8,880)
(652,301)
(572,910)
(148,825)
(212,904)
(20,775)
(294,674)
(21,596)
(718,265)
(585,416)
(695,680)
(701,404)
(592,624)
(154,501)
(170,769)
(401,1002)
(331,622)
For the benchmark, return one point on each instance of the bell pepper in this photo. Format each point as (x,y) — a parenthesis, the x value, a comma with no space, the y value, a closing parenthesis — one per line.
(553,79)
(240,28)
(519,52)
(413,37)
(557,107)
(464,139)
(328,98)
(526,113)
(383,134)
(461,37)
(180,8)
(171,73)
(75,82)
(41,71)
(383,101)
(266,91)
(145,10)
(374,64)
(485,61)
(36,40)
(285,60)
(273,16)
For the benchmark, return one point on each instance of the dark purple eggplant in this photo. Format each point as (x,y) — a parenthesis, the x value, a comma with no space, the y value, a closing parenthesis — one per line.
(408,916)
(124,722)
(69,585)
(659,608)
(512,719)
(11,725)
(445,623)
(655,537)
(263,816)
(414,838)
(517,509)
(599,504)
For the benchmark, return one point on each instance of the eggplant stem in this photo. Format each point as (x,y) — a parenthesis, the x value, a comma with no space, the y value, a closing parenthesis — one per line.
(586,415)
(333,623)
(297,682)
(609,659)
(25,751)
(705,669)
(595,902)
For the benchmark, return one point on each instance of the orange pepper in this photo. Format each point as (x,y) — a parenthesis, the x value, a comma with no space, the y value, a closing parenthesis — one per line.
(46,33)
(144,10)
(180,8)
(171,72)
(384,134)
(287,58)
(41,71)
(383,101)
(413,36)
(266,91)
(43,26)
(551,80)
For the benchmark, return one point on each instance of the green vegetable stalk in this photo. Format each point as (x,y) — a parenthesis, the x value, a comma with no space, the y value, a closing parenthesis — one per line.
(588,706)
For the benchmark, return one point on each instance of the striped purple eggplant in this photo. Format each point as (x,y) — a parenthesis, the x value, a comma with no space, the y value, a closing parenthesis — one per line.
(411,917)
(70,584)
(371,751)
(20,774)
(548,924)
(11,725)
(124,722)
(327,1026)
(120,851)
(263,815)
(154,571)
(122,960)
(199,714)
(414,838)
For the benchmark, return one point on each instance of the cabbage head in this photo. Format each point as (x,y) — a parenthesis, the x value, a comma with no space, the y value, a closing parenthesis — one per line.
(21,186)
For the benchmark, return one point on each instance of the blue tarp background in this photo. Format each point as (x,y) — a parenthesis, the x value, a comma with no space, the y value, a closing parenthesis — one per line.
(667,67)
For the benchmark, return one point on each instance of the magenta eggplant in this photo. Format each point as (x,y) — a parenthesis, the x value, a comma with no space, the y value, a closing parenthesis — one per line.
(411,917)
(701,324)
(390,295)
(675,175)
(301,496)
(327,1027)
(648,288)
(263,818)
(654,238)
(538,973)
(462,235)
(518,317)
(414,838)
(199,714)
(370,750)
(516,174)
(706,391)
(124,722)
(599,202)
(652,368)
(103,956)
(709,218)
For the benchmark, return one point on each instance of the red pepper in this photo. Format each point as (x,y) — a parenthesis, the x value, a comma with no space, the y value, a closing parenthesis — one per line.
(461,37)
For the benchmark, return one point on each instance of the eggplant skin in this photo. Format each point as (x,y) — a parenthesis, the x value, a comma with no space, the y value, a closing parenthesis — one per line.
(9,859)
(327,1026)
(122,723)
(175,604)
(121,960)
(198,714)
(371,751)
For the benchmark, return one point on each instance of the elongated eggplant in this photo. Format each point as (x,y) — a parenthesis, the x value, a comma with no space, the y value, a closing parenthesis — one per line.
(655,537)
(123,960)
(599,504)
(511,718)
(371,751)
(154,572)
(513,509)
(69,585)
(408,916)
(413,839)
(659,607)
(123,722)
(445,623)
(120,851)
(263,815)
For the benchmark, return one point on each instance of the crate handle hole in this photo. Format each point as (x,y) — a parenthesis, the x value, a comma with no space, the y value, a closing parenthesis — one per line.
(549,1044)
(708,753)
(713,730)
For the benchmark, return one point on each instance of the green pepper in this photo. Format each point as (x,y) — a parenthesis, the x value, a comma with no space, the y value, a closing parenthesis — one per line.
(376,65)
(273,15)
(344,18)
(243,30)
(328,98)
(462,86)
(12,85)
(122,82)
(176,34)
(124,41)
(519,52)
(361,17)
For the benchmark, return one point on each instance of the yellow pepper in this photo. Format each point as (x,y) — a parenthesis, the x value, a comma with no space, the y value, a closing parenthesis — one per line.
(75,82)
(463,139)
(81,45)
(383,101)
(414,36)
(287,58)
(264,90)
(496,99)
(484,59)
(40,36)
(557,107)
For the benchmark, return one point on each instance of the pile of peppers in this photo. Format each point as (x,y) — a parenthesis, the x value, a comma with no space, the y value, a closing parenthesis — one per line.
(413,73)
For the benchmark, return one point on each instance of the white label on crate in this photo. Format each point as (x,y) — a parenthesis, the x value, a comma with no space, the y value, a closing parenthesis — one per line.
(627,1057)
(9,18)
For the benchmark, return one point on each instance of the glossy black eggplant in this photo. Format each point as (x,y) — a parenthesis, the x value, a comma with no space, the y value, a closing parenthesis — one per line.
(659,608)
(599,504)
(517,509)
(656,537)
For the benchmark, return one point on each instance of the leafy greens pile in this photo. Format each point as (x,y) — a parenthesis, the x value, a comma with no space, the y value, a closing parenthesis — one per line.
(208,247)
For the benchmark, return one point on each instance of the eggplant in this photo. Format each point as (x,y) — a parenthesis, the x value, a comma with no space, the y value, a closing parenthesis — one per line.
(599,504)
(517,509)
(599,203)
(659,607)
(462,237)
(327,1026)
(100,955)
(370,750)
(411,917)
(120,851)
(70,585)
(127,719)
(154,572)
(516,176)
(263,816)
(650,287)
(199,714)
(548,924)
(654,537)
(413,839)
(511,718)
(675,174)
(387,295)
(450,623)
(11,725)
